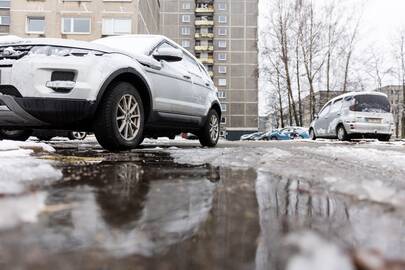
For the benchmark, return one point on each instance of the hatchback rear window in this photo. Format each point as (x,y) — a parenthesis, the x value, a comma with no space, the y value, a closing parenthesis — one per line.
(370,103)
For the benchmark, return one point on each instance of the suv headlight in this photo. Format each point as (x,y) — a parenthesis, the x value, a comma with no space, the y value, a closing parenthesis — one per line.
(62,51)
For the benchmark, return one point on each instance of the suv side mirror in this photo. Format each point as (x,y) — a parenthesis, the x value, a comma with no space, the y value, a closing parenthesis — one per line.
(168,54)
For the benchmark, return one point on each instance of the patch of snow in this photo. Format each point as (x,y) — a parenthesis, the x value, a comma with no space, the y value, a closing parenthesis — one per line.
(18,169)
(15,145)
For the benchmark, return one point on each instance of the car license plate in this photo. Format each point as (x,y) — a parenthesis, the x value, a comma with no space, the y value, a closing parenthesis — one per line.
(374,120)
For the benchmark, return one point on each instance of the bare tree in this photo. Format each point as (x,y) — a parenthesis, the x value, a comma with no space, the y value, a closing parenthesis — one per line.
(282,26)
(312,48)
(399,54)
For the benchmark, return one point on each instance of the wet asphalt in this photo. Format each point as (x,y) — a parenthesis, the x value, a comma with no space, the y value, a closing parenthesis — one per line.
(141,210)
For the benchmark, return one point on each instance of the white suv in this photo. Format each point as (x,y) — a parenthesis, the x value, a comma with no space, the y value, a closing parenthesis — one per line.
(355,115)
(121,88)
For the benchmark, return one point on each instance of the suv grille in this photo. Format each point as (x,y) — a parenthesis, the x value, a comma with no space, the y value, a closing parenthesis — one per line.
(14,52)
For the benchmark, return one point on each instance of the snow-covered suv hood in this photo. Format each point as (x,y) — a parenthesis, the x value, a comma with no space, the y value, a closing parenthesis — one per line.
(56,42)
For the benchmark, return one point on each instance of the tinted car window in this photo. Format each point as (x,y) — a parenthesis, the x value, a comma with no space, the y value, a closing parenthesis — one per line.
(370,103)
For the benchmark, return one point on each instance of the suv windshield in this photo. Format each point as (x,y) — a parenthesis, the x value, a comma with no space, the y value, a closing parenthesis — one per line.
(370,103)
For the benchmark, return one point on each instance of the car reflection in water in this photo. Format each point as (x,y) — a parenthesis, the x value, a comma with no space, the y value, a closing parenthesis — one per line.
(127,214)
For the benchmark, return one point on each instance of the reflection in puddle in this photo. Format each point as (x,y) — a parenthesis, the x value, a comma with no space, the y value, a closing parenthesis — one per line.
(142,209)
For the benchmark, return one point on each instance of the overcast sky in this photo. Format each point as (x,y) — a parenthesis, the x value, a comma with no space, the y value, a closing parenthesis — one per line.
(381,19)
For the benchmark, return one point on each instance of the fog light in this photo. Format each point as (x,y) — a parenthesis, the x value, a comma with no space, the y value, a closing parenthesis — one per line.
(61,85)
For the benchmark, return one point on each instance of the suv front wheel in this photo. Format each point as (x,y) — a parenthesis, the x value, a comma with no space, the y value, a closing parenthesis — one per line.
(209,134)
(120,119)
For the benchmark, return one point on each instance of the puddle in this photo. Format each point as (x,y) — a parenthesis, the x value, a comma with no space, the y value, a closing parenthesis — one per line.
(141,210)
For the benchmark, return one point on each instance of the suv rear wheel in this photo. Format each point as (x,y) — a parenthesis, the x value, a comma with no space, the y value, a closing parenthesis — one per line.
(209,134)
(76,135)
(120,120)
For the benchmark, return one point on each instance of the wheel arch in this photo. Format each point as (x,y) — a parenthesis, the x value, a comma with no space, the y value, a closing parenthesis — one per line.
(132,76)
(215,105)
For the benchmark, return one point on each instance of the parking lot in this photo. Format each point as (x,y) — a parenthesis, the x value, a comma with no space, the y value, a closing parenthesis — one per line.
(175,205)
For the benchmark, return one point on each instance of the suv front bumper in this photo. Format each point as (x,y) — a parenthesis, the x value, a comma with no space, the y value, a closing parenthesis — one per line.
(37,112)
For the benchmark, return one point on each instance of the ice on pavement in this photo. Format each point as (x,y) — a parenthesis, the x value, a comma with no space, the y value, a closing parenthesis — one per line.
(16,210)
(19,170)
(365,173)
(314,253)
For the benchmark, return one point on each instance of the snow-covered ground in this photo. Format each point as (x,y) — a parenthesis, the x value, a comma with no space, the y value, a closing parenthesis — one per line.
(367,170)
(20,172)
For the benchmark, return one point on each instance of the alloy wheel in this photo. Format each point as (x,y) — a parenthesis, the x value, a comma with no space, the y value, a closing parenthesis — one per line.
(214,128)
(128,117)
(79,135)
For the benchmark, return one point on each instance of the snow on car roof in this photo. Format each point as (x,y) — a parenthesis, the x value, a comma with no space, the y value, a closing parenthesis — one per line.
(352,94)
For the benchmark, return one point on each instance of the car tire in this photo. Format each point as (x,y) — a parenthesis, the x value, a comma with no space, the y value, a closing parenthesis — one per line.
(120,118)
(209,134)
(15,135)
(384,138)
(274,138)
(312,134)
(342,134)
(75,135)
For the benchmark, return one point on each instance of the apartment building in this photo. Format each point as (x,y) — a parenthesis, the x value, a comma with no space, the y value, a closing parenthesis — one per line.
(223,35)
(395,95)
(5,17)
(83,19)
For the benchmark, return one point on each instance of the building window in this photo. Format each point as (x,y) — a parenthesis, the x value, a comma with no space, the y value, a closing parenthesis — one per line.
(76,25)
(185,43)
(35,25)
(222,69)
(221,94)
(186,6)
(222,56)
(4,3)
(186,18)
(222,19)
(114,26)
(221,6)
(222,31)
(221,82)
(222,43)
(185,31)
(223,120)
(4,20)
(224,107)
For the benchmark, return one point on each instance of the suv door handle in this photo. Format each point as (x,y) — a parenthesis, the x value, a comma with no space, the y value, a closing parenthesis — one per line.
(187,77)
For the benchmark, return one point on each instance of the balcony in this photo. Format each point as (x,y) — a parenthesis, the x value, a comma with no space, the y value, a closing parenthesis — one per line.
(204,22)
(205,10)
(204,35)
(205,48)
(206,60)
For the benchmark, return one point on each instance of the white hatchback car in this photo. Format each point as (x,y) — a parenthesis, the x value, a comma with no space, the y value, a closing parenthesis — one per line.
(355,115)
(121,88)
